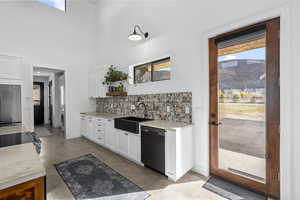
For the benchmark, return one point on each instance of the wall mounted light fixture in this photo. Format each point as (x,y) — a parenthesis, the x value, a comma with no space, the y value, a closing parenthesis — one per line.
(138,34)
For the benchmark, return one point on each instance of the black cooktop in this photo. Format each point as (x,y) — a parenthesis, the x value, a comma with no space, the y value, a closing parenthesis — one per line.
(4,124)
(20,138)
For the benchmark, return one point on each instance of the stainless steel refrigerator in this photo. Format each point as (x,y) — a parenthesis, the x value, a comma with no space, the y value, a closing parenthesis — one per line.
(10,104)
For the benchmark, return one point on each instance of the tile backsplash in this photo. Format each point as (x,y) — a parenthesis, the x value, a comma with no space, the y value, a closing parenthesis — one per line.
(168,106)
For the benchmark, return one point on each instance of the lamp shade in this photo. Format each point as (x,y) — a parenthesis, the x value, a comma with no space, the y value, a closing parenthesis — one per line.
(135,36)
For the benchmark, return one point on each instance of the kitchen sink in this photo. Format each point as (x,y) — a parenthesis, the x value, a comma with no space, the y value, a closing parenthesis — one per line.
(130,124)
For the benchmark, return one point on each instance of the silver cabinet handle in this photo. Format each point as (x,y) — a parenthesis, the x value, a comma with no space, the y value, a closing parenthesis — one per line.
(126,133)
(99,138)
(146,130)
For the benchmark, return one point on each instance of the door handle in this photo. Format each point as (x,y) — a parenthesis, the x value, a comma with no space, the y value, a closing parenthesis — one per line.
(215,123)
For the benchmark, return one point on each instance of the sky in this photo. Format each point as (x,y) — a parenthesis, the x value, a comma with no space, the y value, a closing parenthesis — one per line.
(258,53)
(59,4)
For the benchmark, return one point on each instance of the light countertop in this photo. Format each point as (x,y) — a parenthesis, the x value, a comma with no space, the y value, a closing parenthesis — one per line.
(6,130)
(103,115)
(168,125)
(19,164)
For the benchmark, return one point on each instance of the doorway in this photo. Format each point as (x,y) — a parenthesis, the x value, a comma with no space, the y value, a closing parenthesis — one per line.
(38,101)
(244,106)
(52,97)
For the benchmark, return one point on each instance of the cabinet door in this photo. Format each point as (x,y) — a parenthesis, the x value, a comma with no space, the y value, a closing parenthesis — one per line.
(109,137)
(83,125)
(90,128)
(109,131)
(116,140)
(170,159)
(134,151)
(124,143)
(113,139)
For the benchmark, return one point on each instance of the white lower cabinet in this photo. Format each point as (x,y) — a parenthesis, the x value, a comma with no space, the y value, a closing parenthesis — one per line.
(178,152)
(102,132)
(123,144)
(83,125)
(111,139)
(90,128)
(99,131)
(170,154)
(134,148)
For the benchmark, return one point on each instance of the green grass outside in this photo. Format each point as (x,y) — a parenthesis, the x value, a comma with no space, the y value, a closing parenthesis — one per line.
(242,111)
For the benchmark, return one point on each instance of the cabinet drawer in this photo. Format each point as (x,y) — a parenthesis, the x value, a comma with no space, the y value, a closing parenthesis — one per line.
(89,119)
(99,120)
(100,140)
(110,123)
(99,126)
(99,132)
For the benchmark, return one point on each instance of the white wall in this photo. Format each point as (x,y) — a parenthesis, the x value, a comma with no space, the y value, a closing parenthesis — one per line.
(47,37)
(179,28)
(295,87)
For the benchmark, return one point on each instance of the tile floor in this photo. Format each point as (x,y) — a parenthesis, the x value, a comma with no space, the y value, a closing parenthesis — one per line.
(56,149)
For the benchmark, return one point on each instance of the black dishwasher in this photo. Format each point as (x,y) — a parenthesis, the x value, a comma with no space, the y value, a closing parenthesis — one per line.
(153,148)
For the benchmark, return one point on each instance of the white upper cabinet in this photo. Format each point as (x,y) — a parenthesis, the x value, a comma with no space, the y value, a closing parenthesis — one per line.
(95,86)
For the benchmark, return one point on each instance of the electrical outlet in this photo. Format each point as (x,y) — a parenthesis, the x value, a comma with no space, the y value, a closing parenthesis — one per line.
(168,109)
(132,107)
(111,105)
(187,110)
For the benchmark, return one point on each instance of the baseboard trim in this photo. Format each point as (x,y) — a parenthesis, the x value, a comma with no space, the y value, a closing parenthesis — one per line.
(200,170)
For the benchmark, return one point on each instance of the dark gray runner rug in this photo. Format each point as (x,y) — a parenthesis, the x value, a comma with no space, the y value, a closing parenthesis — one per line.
(231,191)
(89,178)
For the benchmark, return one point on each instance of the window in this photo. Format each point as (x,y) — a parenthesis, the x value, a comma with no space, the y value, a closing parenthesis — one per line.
(158,70)
(142,73)
(59,4)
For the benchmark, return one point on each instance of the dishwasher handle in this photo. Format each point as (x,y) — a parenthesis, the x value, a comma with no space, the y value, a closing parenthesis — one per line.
(157,131)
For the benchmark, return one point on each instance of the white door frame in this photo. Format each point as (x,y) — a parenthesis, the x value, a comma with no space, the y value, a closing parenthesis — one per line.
(66,91)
